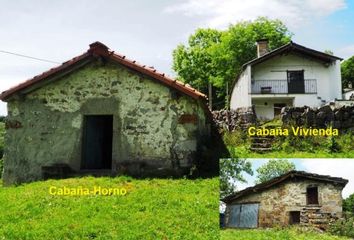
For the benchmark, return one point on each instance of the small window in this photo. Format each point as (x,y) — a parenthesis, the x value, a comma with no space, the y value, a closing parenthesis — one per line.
(312,195)
(294,217)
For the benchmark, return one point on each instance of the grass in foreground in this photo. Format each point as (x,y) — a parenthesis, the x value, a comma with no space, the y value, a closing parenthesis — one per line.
(152,209)
(276,234)
(243,152)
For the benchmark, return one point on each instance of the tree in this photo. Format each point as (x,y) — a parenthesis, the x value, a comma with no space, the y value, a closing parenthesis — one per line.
(231,172)
(216,57)
(347,68)
(348,204)
(194,63)
(273,168)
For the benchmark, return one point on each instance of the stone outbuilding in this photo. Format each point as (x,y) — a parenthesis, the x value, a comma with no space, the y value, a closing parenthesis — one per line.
(105,114)
(296,197)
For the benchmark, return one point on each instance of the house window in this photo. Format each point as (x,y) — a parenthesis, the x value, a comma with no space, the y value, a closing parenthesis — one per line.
(296,81)
(294,217)
(312,195)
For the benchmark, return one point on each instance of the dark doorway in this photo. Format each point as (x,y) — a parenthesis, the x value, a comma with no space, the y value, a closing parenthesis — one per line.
(312,195)
(296,81)
(97,142)
(294,217)
(277,108)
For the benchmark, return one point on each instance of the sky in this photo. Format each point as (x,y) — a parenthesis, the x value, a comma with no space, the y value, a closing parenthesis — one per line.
(334,167)
(148,31)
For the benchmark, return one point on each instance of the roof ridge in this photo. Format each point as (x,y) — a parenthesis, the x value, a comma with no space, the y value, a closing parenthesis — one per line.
(279,179)
(99,49)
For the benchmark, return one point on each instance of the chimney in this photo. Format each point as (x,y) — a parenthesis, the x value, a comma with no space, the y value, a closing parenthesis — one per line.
(98,48)
(262,47)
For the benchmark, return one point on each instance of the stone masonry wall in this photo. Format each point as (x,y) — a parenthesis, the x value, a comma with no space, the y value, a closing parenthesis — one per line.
(154,127)
(276,203)
(340,118)
(230,120)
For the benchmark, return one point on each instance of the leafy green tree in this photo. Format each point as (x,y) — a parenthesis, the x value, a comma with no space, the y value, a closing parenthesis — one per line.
(216,57)
(194,63)
(348,204)
(273,168)
(347,69)
(231,172)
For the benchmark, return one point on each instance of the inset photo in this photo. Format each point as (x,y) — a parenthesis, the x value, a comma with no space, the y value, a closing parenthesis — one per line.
(286,198)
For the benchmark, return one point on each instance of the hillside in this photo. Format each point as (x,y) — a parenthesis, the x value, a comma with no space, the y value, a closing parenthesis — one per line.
(277,234)
(151,209)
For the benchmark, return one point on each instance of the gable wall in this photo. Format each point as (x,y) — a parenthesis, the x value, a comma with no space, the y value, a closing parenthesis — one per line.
(276,202)
(328,78)
(45,126)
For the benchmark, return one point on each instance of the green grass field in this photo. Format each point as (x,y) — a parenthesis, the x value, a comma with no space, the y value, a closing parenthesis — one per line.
(243,152)
(277,234)
(152,209)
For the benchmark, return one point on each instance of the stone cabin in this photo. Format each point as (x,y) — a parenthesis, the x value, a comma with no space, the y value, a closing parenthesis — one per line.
(296,197)
(105,114)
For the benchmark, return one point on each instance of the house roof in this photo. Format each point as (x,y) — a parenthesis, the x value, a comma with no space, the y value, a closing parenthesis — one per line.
(287,176)
(294,47)
(98,50)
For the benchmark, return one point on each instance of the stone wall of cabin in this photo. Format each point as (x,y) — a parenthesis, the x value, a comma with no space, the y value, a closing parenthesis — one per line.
(276,203)
(155,129)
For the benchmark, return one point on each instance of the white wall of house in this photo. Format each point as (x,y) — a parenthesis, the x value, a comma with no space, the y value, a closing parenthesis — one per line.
(327,85)
(328,79)
(265,106)
(240,94)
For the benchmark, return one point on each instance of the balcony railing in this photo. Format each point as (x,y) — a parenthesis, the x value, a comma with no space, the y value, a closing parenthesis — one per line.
(282,87)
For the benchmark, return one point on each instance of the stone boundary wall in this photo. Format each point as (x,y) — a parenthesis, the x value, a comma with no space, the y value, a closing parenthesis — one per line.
(229,120)
(326,116)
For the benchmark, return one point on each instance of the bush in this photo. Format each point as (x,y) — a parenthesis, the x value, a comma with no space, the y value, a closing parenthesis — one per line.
(235,138)
(348,204)
(343,227)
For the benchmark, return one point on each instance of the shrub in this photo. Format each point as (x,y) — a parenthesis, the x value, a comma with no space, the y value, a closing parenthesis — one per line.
(348,204)
(235,138)
(343,227)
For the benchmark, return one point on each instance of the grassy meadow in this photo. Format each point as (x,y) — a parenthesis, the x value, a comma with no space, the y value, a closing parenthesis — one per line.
(277,234)
(152,209)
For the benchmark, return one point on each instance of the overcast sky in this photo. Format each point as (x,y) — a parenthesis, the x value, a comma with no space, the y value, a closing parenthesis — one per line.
(334,167)
(148,31)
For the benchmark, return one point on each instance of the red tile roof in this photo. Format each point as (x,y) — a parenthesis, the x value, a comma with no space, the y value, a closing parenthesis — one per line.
(98,49)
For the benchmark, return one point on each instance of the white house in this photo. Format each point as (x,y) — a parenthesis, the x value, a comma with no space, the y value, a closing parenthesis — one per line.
(291,75)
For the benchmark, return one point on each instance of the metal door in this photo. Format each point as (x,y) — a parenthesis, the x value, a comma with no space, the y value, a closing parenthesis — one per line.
(234,217)
(296,82)
(243,215)
(249,216)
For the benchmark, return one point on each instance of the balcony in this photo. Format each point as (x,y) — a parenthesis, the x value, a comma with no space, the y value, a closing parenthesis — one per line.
(307,86)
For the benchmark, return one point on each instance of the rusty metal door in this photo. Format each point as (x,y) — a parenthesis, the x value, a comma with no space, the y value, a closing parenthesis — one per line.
(244,215)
